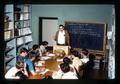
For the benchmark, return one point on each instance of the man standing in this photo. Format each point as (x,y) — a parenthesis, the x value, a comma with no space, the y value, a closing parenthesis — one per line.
(62,36)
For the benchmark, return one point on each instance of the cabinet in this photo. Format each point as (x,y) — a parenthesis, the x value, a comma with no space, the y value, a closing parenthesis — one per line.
(17,31)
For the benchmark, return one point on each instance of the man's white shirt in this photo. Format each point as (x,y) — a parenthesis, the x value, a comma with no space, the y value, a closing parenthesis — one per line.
(61,37)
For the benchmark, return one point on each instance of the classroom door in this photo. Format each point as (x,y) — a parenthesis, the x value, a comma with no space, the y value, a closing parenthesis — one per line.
(48,27)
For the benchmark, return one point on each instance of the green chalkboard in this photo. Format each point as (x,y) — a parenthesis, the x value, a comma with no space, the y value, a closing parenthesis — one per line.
(87,35)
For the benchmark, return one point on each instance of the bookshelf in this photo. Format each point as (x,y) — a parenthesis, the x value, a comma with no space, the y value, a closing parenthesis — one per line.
(17,31)
(10,46)
(23,32)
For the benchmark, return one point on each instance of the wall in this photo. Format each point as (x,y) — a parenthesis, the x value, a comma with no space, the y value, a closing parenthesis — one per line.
(80,13)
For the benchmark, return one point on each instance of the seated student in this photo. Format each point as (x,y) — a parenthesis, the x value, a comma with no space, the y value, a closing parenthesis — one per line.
(43,47)
(37,51)
(68,61)
(88,67)
(30,64)
(84,55)
(64,72)
(23,54)
(67,74)
(76,60)
(18,68)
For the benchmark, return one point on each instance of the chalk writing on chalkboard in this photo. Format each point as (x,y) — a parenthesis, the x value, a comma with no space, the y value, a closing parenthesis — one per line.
(86,35)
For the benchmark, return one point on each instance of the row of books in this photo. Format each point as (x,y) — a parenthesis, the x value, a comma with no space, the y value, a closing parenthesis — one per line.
(23,40)
(8,25)
(21,16)
(22,9)
(22,24)
(26,23)
(24,31)
(8,35)
(26,9)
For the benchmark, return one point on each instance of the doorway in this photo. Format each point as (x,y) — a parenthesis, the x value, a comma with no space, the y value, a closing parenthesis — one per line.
(47,29)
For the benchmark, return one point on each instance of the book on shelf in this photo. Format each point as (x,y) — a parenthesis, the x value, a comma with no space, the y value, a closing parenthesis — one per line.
(17,13)
(10,25)
(26,9)
(26,31)
(21,16)
(26,23)
(6,25)
(26,16)
(16,32)
(20,32)
(28,38)
(17,16)
(7,35)
(20,41)
(17,25)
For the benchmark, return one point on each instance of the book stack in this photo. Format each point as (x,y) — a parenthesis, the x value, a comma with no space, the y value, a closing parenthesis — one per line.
(26,9)
(26,31)
(26,23)
(7,35)
(20,41)
(28,38)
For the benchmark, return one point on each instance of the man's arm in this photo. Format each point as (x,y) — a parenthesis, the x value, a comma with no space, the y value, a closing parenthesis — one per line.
(56,35)
(67,38)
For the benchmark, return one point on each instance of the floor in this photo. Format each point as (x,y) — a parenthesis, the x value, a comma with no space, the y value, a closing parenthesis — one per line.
(99,74)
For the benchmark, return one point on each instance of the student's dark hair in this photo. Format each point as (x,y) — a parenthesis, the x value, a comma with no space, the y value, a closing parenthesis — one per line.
(23,49)
(21,75)
(31,54)
(75,53)
(65,67)
(84,51)
(61,25)
(44,43)
(91,57)
(67,60)
(19,64)
(35,46)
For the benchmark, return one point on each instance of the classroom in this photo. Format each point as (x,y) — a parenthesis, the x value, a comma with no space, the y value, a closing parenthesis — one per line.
(59,41)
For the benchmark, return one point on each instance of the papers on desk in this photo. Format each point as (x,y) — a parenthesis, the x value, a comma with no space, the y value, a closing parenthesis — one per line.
(45,58)
(37,70)
(39,64)
(51,54)
(59,60)
(43,72)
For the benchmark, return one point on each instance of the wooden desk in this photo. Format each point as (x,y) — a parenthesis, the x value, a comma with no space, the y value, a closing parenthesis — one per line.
(36,77)
(52,65)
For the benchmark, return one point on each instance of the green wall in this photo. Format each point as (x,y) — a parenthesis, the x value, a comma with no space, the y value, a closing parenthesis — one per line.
(79,13)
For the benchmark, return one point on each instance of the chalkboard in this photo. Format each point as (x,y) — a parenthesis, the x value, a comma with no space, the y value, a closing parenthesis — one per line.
(87,35)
